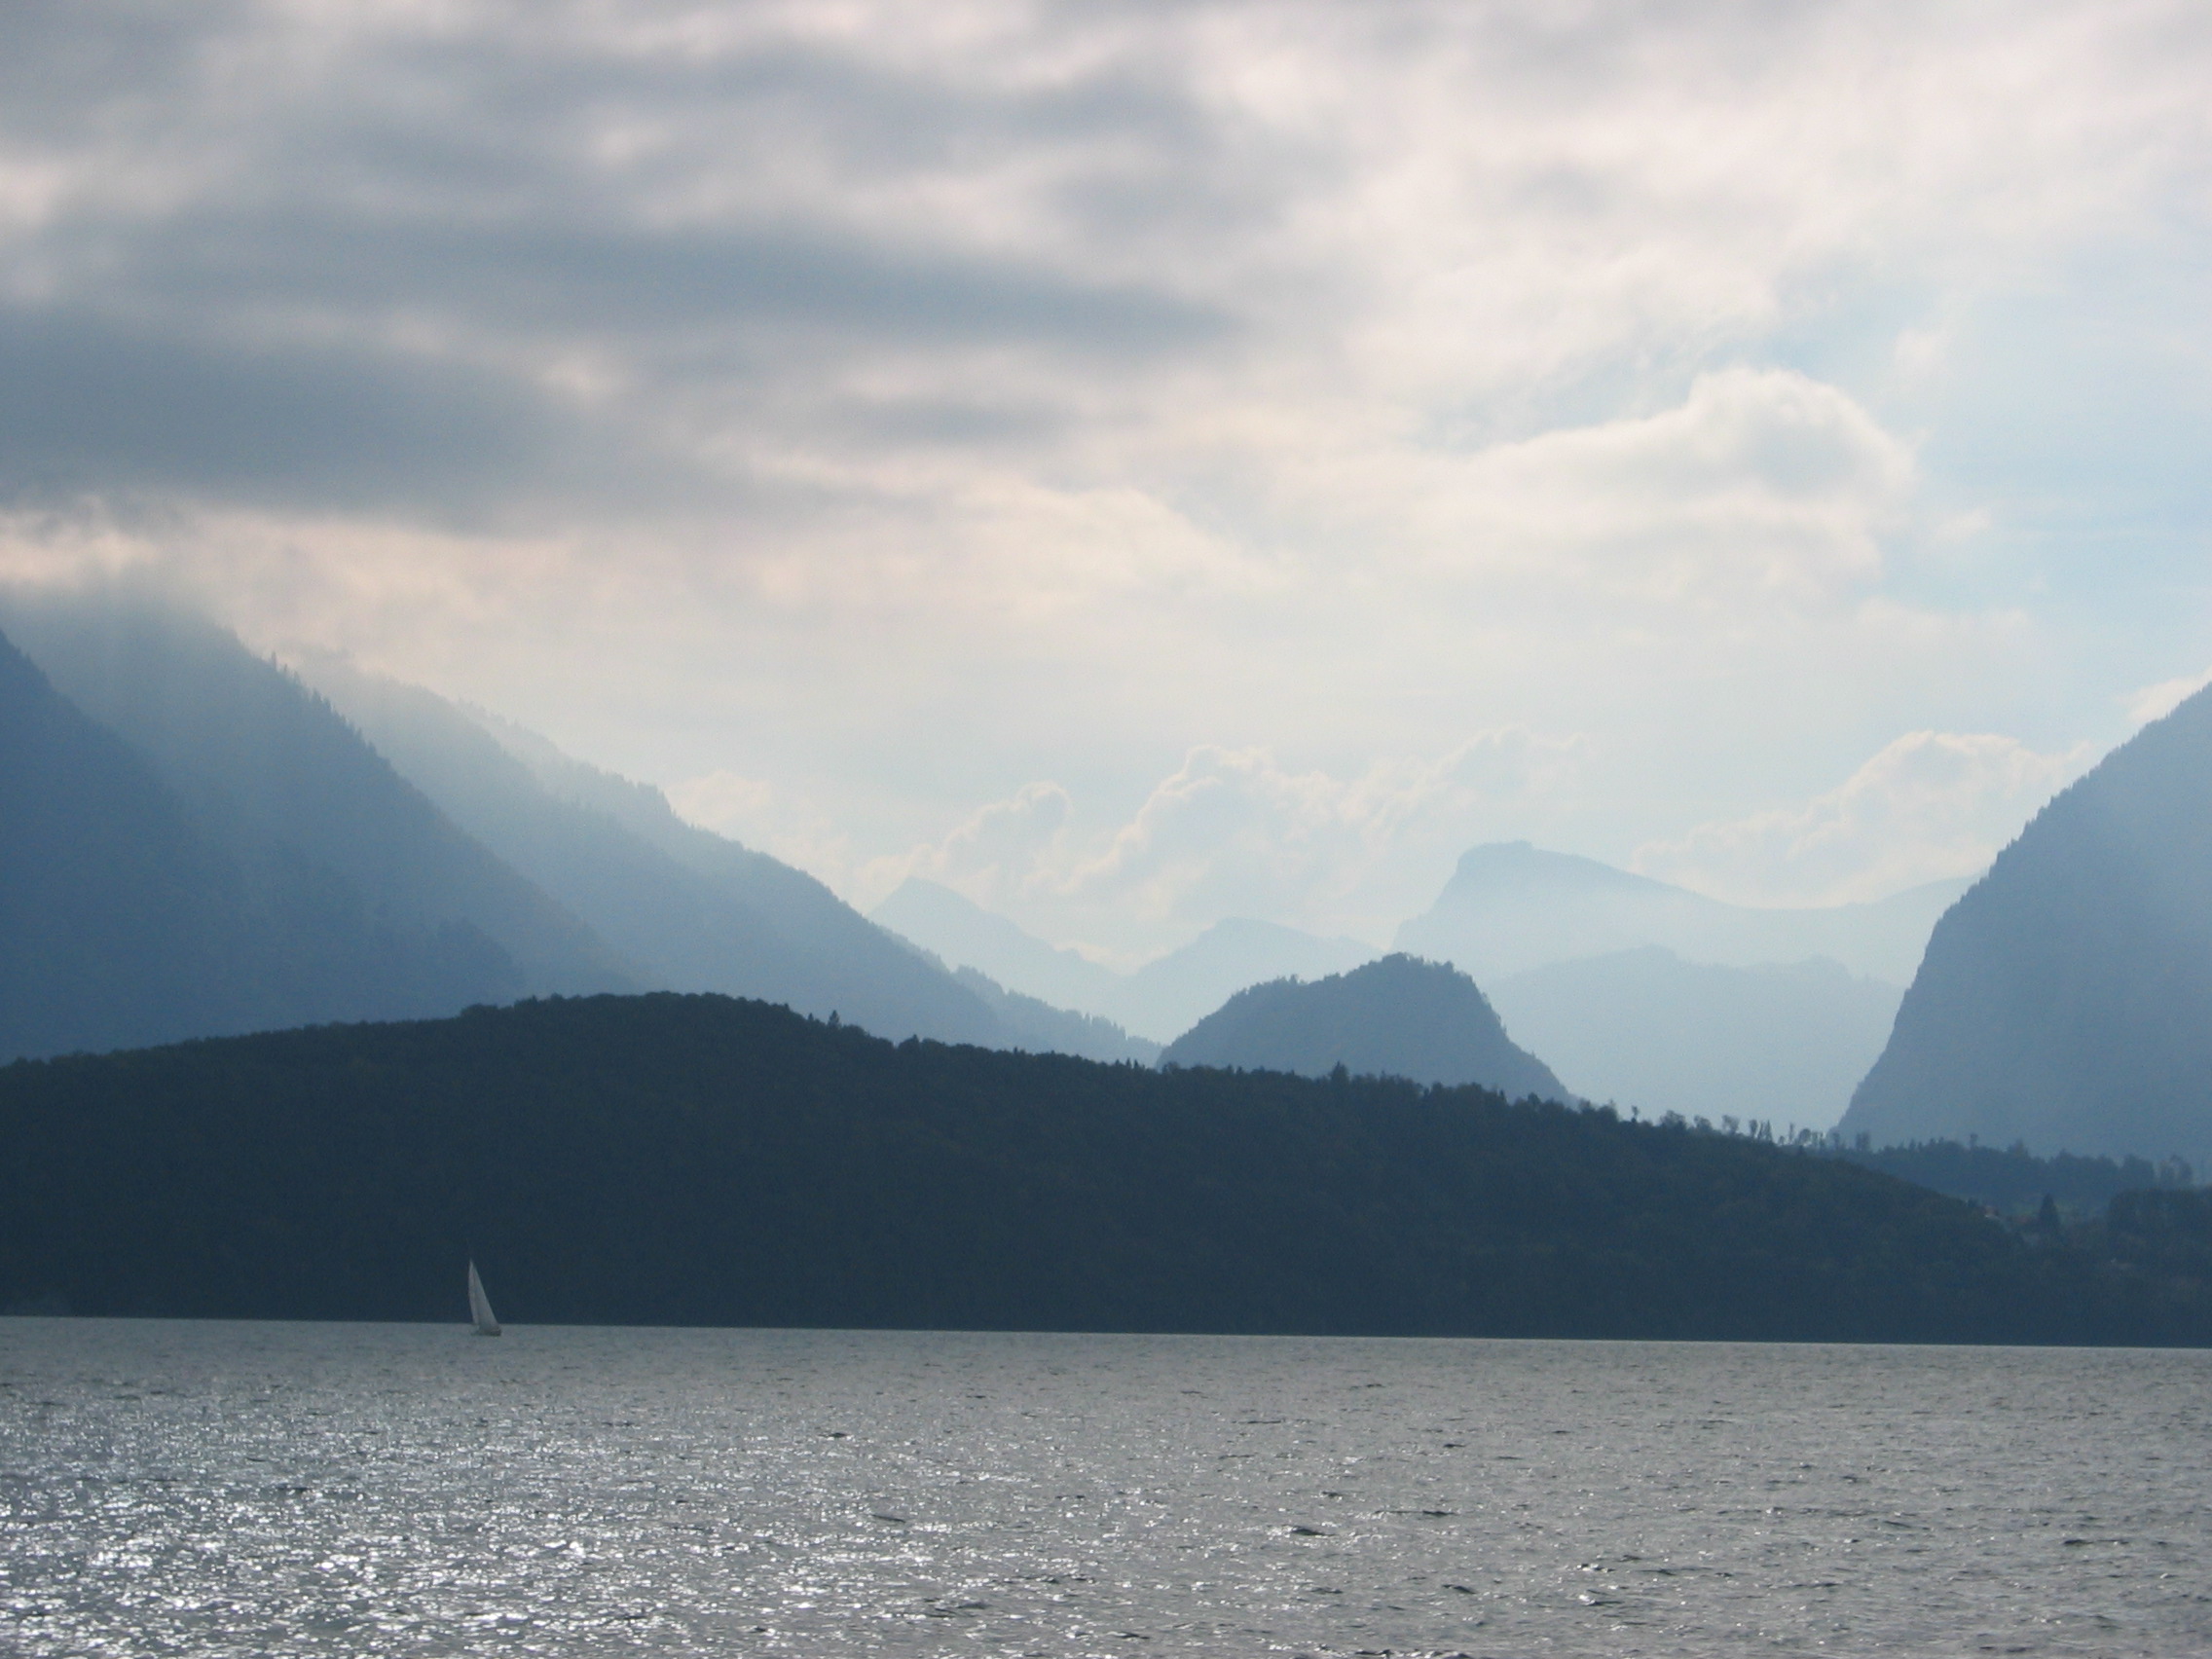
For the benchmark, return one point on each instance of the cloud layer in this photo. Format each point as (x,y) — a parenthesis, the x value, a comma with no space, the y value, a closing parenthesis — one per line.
(1929,807)
(881,409)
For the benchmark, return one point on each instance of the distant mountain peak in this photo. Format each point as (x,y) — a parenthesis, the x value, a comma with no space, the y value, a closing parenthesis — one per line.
(1521,865)
(1510,906)
(1397,1015)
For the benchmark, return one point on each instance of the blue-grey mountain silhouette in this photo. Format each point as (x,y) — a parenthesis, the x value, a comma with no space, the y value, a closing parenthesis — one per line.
(113,913)
(1398,1016)
(1039,1028)
(961,931)
(1510,906)
(196,842)
(694,910)
(127,917)
(317,822)
(2066,1001)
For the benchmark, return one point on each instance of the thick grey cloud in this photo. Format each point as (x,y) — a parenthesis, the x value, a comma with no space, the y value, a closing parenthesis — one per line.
(344,266)
(93,407)
(569,277)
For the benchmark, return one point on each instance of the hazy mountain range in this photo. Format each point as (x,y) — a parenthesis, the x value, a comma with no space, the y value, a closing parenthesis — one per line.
(1397,1016)
(2066,1001)
(200,841)
(695,910)
(1593,969)
(1510,907)
(1646,993)
(232,858)
(688,908)
(196,841)
(120,924)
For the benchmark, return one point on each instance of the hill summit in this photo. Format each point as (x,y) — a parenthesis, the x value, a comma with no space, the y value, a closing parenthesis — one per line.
(1399,1017)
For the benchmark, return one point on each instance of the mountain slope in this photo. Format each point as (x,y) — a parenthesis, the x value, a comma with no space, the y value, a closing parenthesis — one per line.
(116,920)
(1395,1018)
(2066,1001)
(319,827)
(962,932)
(694,912)
(1787,1042)
(1039,1028)
(122,923)
(667,1160)
(1510,907)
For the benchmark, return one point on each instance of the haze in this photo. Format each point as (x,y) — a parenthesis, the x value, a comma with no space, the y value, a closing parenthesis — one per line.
(1146,467)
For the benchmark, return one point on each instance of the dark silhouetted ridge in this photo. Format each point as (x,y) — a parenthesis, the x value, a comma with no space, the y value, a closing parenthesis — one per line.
(1396,1017)
(695,1160)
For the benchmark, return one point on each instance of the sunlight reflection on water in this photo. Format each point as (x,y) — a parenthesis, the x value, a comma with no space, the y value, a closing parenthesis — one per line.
(219,1489)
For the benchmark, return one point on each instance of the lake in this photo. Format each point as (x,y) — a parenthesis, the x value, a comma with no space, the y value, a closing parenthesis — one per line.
(220,1489)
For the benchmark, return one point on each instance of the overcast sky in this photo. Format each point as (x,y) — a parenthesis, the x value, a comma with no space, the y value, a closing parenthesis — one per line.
(1154,463)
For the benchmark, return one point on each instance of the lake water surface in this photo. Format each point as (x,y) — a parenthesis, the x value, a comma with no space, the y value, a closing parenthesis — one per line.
(235,1489)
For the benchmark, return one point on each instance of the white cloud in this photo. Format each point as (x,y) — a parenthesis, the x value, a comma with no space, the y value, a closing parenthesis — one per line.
(2155,702)
(1234,832)
(1762,485)
(82,545)
(1930,806)
(999,856)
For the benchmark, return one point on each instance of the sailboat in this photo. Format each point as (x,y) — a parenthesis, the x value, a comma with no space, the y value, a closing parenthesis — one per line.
(480,1305)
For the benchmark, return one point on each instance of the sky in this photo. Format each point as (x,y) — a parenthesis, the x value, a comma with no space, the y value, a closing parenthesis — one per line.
(1149,463)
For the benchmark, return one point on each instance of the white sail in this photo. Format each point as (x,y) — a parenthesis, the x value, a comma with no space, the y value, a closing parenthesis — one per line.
(480,1306)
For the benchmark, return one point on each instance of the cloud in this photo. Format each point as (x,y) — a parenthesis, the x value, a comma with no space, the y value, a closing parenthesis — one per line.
(1234,832)
(1928,806)
(339,256)
(2155,702)
(999,854)
(748,234)
(133,413)
(890,406)
(1761,482)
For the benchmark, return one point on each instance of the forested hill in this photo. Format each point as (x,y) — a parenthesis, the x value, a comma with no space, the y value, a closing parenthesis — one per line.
(696,1159)
(2015,1181)
(1396,1017)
